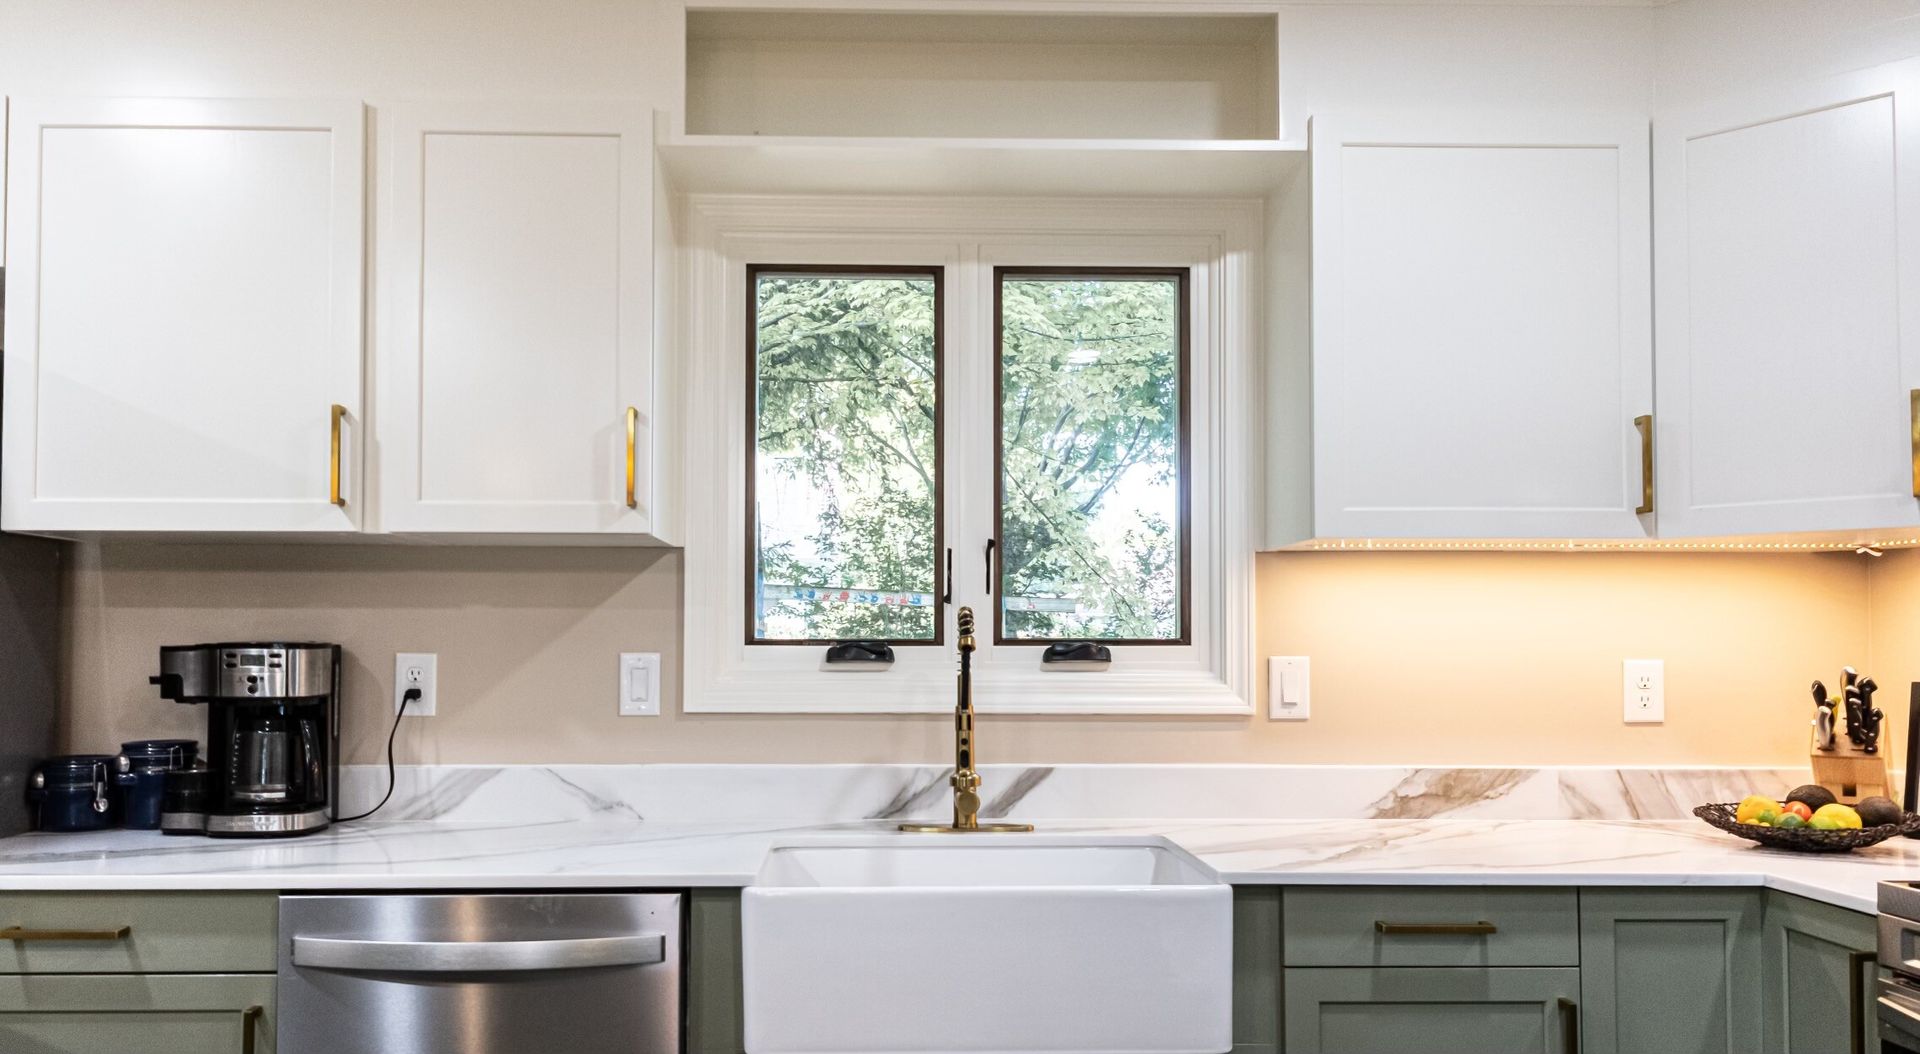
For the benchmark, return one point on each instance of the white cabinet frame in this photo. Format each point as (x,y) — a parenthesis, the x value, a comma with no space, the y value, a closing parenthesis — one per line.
(403,229)
(1354,493)
(1787,361)
(228,509)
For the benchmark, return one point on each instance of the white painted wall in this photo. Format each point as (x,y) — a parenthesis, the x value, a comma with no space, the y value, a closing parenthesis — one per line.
(1707,49)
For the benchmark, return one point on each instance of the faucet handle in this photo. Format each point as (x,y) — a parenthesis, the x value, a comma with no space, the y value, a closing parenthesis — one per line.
(966,629)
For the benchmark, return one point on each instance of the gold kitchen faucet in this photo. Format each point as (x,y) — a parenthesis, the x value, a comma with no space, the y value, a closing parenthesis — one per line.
(965,779)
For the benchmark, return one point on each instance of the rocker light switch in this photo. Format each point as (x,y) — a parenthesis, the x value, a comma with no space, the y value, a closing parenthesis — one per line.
(639,684)
(1289,690)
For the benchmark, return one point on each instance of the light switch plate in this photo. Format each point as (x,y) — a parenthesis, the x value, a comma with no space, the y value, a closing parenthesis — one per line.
(639,684)
(1643,684)
(1289,688)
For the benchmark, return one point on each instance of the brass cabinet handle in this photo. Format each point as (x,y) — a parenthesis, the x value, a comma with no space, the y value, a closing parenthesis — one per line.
(1435,929)
(633,436)
(23,934)
(1857,998)
(333,458)
(1913,414)
(1644,424)
(1570,1026)
(249,1024)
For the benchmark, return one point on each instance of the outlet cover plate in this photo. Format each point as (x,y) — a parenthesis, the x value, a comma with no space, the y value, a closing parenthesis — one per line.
(1643,685)
(417,669)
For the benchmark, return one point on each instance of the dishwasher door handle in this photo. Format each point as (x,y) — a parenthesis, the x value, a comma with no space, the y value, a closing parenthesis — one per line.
(337,953)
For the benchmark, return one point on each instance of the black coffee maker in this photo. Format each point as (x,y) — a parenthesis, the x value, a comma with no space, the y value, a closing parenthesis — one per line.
(273,732)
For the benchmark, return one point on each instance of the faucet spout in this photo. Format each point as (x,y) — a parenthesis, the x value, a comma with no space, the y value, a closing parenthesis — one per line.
(965,779)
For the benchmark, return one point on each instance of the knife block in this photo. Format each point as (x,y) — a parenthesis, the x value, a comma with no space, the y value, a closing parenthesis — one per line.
(1850,773)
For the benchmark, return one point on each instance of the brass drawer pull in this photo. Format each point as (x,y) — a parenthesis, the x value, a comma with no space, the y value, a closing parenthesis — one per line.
(1644,424)
(333,458)
(23,934)
(633,439)
(249,1024)
(1913,413)
(1435,929)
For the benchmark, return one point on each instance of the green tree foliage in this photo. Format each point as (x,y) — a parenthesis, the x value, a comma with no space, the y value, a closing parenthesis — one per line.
(1090,455)
(846,392)
(846,407)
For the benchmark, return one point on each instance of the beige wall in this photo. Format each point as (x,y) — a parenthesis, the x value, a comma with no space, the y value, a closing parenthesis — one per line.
(1417,658)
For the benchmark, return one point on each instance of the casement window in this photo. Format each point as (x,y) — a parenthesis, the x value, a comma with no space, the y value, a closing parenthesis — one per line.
(843,495)
(1090,472)
(890,420)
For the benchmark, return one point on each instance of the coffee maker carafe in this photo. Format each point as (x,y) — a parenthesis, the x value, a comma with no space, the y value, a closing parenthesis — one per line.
(273,732)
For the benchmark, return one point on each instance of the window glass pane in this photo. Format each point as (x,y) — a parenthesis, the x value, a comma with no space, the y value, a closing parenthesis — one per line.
(845,475)
(1090,457)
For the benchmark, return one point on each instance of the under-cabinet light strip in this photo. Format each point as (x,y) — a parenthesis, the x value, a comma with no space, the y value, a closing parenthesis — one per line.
(1602,545)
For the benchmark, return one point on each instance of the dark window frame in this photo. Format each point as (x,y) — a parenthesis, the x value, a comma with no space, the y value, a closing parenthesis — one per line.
(941,585)
(1183,456)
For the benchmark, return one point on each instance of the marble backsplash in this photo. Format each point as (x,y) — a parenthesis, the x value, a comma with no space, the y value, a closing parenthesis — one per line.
(830,793)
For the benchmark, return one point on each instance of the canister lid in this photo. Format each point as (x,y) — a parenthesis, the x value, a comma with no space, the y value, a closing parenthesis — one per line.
(76,770)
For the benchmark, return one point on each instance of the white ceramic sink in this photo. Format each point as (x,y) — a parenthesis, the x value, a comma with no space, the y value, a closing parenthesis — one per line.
(949,943)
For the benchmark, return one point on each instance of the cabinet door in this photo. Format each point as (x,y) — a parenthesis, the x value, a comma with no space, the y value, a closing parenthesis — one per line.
(184,294)
(138,1014)
(516,341)
(1481,328)
(1788,233)
(1820,966)
(1391,1010)
(1670,971)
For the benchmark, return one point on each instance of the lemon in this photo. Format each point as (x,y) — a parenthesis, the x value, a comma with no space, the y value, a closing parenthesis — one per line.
(1839,817)
(1752,806)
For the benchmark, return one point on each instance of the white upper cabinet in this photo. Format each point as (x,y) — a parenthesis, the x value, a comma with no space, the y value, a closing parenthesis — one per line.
(516,377)
(1788,232)
(183,316)
(1481,329)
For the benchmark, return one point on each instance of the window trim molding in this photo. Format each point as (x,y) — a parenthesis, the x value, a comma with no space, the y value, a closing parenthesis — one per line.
(1219,240)
(1183,444)
(942,588)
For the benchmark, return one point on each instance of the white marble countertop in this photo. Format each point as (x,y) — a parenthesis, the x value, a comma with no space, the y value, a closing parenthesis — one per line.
(610,852)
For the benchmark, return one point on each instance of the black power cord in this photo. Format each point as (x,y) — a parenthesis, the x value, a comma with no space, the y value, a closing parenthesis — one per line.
(405,697)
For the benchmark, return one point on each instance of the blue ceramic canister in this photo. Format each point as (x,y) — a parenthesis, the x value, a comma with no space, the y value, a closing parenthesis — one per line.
(74,792)
(141,772)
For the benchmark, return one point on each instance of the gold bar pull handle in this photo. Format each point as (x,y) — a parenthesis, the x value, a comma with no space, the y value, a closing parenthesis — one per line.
(1644,424)
(249,1026)
(1435,929)
(21,934)
(1913,416)
(333,457)
(633,439)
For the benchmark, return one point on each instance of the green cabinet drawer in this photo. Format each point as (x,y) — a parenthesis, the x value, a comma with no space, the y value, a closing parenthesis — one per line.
(1433,1011)
(1459,926)
(128,1014)
(165,932)
(1820,967)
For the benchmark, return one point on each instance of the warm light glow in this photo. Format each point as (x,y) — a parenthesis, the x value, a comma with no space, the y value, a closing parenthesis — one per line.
(1599,545)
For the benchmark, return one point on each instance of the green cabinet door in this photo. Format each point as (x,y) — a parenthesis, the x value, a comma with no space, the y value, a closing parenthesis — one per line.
(1670,971)
(1819,963)
(1432,1010)
(135,1014)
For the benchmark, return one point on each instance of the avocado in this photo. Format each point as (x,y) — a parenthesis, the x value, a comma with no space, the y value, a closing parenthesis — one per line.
(1812,795)
(1878,812)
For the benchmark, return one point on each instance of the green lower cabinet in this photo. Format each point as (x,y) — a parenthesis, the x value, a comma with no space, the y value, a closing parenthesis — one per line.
(1670,971)
(136,1014)
(1395,1010)
(1820,975)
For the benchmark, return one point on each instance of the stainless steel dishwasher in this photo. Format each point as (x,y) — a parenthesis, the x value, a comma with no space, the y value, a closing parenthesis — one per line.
(588,973)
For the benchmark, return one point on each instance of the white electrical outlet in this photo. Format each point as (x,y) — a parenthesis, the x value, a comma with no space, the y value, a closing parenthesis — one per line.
(1644,682)
(639,684)
(1289,688)
(416,669)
